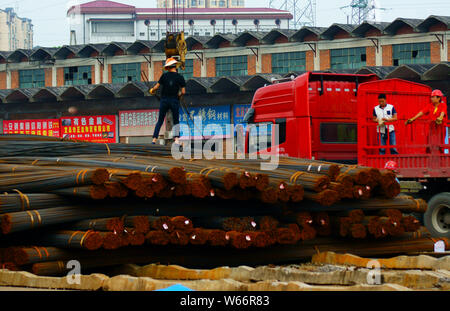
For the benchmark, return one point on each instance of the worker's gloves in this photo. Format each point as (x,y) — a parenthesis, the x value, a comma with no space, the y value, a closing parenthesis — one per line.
(409,121)
(380,122)
(152,91)
(439,121)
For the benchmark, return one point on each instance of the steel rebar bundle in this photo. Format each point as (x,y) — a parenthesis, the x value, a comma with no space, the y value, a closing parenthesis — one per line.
(16,202)
(82,197)
(90,240)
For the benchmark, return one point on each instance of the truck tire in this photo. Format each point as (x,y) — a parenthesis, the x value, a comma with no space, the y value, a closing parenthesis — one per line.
(437,216)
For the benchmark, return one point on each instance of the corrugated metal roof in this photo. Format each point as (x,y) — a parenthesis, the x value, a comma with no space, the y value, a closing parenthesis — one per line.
(245,36)
(274,34)
(438,72)
(43,53)
(44,95)
(88,49)
(433,19)
(366,26)
(139,45)
(253,83)
(5,54)
(134,89)
(331,31)
(66,50)
(159,46)
(414,71)
(192,40)
(380,71)
(19,54)
(113,47)
(305,31)
(399,22)
(215,41)
(4,93)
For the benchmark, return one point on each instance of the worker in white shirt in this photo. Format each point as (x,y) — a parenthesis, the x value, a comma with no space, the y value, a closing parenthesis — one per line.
(385,113)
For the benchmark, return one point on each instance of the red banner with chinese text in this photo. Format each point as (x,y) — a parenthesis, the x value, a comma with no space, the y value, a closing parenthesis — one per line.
(42,127)
(96,129)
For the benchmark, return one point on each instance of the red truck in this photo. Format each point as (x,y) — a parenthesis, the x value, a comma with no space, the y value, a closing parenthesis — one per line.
(329,117)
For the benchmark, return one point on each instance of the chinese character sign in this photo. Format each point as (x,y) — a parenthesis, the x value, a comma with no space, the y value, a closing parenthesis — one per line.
(239,112)
(45,127)
(96,129)
(138,122)
(206,122)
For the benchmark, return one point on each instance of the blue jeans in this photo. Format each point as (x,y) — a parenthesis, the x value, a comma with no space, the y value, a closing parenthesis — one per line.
(166,104)
(384,141)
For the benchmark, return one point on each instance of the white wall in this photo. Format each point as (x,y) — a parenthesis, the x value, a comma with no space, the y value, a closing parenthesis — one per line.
(157,28)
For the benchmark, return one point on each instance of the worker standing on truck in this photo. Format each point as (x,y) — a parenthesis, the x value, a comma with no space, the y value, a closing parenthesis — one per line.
(383,113)
(173,87)
(436,113)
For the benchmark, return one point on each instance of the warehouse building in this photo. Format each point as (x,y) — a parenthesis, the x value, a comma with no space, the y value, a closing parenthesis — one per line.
(404,41)
(110,78)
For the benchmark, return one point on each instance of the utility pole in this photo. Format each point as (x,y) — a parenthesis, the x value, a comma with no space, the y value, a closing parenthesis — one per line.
(362,10)
(303,11)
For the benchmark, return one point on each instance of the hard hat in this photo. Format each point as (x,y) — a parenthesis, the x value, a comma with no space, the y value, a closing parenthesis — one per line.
(170,62)
(437,93)
(390,165)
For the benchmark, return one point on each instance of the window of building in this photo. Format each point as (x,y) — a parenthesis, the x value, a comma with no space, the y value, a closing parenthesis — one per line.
(188,71)
(338,133)
(222,3)
(153,34)
(31,78)
(193,3)
(109,28)
(231,66)
(142,34)
(411,53)
(123,73)
(77,75)
(352,58)
(288,62)
(207,33)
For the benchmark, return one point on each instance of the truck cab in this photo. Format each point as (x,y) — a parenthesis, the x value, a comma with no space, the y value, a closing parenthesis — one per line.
(316,114)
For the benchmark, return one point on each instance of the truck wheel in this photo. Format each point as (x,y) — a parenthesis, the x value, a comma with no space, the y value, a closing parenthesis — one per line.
(437,216)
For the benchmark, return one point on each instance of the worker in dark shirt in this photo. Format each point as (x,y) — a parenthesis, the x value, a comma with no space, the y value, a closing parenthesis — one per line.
(173,87)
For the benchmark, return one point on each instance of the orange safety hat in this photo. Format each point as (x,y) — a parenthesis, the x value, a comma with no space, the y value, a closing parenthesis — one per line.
(170,62)
(437,93)
(390,165)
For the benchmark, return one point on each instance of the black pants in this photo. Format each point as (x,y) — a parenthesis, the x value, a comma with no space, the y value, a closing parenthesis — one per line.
(166,104)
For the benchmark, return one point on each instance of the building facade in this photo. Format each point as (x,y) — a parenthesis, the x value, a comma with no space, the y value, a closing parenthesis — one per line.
(106,21)
(15,32)
(338,47)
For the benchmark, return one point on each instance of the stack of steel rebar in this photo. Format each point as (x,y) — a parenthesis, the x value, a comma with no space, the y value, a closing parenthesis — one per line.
(68,200)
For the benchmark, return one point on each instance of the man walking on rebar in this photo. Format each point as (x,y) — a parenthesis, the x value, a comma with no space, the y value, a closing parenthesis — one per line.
(173,87)
(383,113)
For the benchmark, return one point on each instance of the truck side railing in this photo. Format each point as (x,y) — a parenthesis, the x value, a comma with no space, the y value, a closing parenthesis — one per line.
(420,152)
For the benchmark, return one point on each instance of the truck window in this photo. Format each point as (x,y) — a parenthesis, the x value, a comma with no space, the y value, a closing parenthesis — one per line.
(282,130)
(338,133)
(261,135)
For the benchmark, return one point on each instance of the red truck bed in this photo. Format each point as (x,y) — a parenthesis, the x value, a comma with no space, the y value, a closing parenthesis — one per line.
(413,160)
